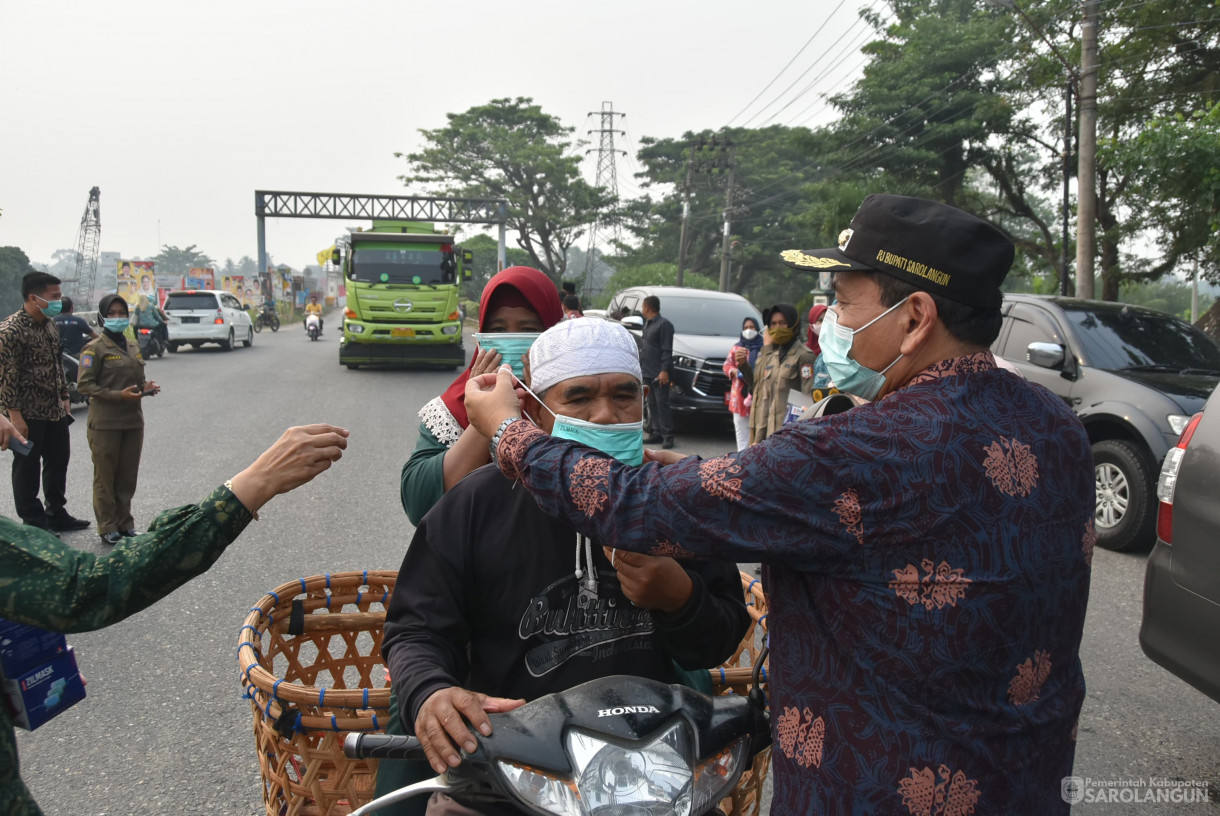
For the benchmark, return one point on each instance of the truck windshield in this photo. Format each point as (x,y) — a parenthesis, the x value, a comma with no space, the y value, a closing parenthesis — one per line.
(1121,338)
(402,266)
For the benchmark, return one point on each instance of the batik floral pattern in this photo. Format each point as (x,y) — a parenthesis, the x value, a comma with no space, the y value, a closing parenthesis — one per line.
(589,481)
(1011,467)
(518,436)
(1025,687)
(801,736)
(671,550)
(721,477)
(939,586)
(953,794)
(847,507)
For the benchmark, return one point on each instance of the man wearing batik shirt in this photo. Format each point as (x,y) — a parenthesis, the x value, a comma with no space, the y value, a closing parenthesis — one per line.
(927,554)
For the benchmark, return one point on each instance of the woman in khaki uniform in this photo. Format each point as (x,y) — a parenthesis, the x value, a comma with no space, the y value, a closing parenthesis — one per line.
(112,375)
(784,364)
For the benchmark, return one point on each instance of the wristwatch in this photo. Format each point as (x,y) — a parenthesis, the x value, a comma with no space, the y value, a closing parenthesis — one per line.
(495,438)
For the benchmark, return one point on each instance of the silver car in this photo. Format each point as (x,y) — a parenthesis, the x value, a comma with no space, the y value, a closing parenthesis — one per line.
(1182,585)
(199,316)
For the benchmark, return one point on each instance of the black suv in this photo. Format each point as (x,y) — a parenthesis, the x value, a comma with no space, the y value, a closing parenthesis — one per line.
(706,325)
(1134,376)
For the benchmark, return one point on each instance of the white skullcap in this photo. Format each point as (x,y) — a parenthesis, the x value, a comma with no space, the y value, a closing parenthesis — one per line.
(580,348)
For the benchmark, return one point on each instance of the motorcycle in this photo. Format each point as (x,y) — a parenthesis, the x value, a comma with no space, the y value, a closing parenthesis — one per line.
(267,317)
(313,326)
(71,371)
(151,343)
(619,744)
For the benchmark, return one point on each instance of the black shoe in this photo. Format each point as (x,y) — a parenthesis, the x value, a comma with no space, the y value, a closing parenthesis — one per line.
(66,523)
(112,538)
(667,444)
(128,533)
(655,439)
(41,523)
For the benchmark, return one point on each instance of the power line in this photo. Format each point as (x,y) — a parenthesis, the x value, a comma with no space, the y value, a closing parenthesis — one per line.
(786,67)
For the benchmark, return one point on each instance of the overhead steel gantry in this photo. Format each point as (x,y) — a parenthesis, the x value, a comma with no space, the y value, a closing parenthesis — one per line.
(279,204)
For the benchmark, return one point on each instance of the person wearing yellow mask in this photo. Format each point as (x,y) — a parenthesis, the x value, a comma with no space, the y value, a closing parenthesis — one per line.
(783,364)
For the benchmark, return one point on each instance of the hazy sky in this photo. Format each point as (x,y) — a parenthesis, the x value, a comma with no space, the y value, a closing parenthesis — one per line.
(179,111)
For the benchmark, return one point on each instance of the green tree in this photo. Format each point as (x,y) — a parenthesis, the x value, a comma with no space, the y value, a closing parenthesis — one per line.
(172,260)
(14,265)
(485,264)
(511,149)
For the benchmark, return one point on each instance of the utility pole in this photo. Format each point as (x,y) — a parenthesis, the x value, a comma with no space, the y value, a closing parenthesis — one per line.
(1086,194)
(1064,270)
(607,179)
(690,166)
(724,240)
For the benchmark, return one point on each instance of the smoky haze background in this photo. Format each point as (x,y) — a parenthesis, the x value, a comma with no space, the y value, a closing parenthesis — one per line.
(179,112)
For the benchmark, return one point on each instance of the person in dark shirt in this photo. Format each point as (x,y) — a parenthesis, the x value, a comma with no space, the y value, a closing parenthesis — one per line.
(74,331)
(656,361)
(926,555)
(497,603)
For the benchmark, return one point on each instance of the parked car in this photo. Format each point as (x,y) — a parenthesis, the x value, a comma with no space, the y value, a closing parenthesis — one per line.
(1182,584)
(706,325)
(199,316)
(1134,376)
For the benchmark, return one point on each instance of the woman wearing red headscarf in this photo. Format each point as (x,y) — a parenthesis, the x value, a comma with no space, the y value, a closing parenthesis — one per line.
(821,375)
(518,300)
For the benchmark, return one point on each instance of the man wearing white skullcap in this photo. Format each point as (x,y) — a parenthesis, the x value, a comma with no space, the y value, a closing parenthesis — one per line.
(498,603)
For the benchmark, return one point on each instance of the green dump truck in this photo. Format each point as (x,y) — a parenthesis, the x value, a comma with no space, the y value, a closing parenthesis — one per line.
(402,280)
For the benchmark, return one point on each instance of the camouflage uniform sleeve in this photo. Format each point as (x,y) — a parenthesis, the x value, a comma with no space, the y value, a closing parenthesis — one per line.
(46,583)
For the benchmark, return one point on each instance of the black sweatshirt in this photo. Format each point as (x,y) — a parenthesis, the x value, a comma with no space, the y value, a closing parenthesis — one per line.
(487,599)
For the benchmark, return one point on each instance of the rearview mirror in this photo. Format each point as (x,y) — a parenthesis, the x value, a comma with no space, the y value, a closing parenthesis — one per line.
(335,257)
(633,322)
(1045,355)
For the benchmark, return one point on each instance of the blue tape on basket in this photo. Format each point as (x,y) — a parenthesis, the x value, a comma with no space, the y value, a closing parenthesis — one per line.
(257,633)
(365,579)
(359,596)
(267,709)
(246,673)
(385,596)
(296,724)
(722,675)
(328,580)
(750,588)
(245,643)
(366,699)
(761,619)
(763,674)
(321,697)
(376,727)
(258,610)
(275,688)
(303,588)
(334,726)
(273,594)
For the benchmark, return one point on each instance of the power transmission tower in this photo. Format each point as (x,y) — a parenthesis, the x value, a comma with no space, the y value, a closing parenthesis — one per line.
(607,179)
(88,245)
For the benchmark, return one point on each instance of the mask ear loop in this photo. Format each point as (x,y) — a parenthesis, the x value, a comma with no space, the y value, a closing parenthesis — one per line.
(518,381)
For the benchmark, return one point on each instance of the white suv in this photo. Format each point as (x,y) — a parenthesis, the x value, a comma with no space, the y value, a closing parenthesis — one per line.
(199,316)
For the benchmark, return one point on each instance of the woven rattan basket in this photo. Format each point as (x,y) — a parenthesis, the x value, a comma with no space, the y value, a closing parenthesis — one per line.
(734,678)
(310,657)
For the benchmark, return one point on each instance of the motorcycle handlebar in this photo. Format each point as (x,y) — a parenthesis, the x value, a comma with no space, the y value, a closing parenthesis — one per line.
(381,746)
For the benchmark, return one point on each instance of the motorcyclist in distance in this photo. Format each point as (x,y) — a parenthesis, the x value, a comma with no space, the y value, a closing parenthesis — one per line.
(314,308)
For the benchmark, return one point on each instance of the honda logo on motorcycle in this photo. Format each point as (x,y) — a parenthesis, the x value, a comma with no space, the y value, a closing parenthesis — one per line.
(621,710)
(403,305)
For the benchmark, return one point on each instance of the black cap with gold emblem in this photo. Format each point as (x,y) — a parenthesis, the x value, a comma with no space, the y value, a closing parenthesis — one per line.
(929,245)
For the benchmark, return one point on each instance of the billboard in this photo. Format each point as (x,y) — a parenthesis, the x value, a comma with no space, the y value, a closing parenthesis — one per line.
(136,278)
(201,278)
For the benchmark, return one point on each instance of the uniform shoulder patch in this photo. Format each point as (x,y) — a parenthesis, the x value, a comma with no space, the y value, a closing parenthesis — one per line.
(806,371)
(86,361)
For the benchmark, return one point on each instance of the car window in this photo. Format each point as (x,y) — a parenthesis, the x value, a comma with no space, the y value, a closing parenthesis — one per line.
(631,303)
(713,317)
(1028,325)
(231,302)
(190,300)
(1118,338)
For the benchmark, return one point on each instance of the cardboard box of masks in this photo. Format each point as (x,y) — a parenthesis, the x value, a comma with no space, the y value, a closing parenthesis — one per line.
(38,674)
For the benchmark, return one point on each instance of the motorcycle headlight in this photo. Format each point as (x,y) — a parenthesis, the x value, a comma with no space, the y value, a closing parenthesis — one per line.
(551,793)
(614,780)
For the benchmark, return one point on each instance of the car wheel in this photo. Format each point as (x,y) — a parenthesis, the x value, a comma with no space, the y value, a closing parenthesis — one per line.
(227,345)
(249,341)
(173,347)
(1125,513)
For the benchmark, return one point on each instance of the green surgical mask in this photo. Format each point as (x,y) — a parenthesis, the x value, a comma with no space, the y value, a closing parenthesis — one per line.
(622,440)
(513,346)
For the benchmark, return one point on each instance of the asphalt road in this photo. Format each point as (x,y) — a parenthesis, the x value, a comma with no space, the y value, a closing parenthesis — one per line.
(164,728)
